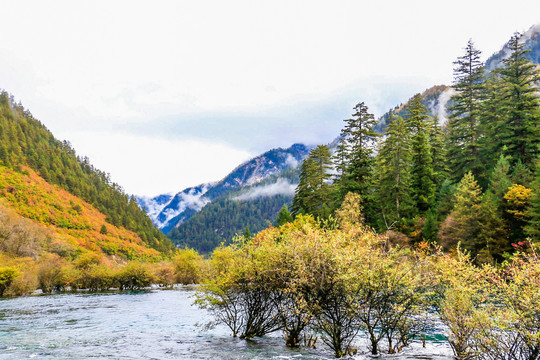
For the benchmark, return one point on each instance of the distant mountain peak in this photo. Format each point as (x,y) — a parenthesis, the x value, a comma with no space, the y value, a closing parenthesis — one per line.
(531,38)
(167,211)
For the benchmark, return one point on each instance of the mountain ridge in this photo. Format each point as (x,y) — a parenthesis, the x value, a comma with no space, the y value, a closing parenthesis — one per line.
(176,209)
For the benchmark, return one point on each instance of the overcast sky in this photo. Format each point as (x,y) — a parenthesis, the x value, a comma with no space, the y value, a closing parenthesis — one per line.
(169,94)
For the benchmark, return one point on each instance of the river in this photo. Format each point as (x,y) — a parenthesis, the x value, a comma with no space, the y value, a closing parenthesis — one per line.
(154,324)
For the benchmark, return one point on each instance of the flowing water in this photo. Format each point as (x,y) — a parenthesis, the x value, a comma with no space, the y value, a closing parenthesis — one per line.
(155,324)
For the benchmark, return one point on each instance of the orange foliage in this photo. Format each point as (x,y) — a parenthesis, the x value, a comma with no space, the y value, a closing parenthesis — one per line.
(74,221)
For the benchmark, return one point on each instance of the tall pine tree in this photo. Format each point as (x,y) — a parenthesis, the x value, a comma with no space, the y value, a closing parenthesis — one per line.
(463,122)
(519,130)
(358,139)
(393,174)
(314,194)
(423,186)
(491,118)
(533,212)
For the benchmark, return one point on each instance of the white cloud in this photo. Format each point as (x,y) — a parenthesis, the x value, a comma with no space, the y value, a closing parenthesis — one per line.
(291,161)
(444,97)
(194,199)
(253,75)
(280,187)
(149,165)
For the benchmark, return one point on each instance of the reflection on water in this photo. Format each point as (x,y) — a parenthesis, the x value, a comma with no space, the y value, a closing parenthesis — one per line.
(154,324)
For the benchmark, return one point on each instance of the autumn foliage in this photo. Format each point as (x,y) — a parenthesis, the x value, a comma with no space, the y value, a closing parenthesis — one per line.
(314,282)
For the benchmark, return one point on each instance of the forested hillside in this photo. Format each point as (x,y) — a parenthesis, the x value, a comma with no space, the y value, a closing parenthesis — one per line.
(435,99)
(25,142)
(168,212)
(471,183)
(37,218)
(252,207)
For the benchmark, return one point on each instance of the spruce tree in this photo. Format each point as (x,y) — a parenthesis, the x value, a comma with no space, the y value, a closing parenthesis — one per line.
(284,216)
(493,237)
(438,151)
(423,186)
(521,174)
(463,122)
(393,174)
(359,140)
(519,130)
(491,118)
(314,194)
(532,229)
(494,229)
(500,180)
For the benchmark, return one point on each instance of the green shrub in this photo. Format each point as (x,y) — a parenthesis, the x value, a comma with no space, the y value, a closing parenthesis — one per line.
(134,276)
(7,276)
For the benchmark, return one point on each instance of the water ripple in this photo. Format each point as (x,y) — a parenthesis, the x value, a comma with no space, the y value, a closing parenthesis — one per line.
(158,324)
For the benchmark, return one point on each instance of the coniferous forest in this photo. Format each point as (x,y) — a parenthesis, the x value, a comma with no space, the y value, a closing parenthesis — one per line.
(471,181)
(25,142)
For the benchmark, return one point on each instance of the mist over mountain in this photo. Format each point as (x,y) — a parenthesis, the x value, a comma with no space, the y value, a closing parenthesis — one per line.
(168,211)
(531,39)
(198,215)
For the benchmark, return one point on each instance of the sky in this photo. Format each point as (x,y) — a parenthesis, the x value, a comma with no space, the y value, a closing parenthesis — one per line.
(164,95)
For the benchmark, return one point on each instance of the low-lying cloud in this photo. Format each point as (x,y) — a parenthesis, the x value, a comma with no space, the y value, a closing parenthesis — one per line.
(281,187)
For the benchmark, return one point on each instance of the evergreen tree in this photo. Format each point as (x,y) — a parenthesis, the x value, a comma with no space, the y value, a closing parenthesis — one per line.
(490,121)
(493,237)
(500,181)
(393,174)
(521,174)
(445,199)
(463,223)
(314,193)
(423,186)
(358,139)
(247,234)
(519,130)
(438,151)
(463,122)
(532,229)
(429,231)
(284,216)
(341,158)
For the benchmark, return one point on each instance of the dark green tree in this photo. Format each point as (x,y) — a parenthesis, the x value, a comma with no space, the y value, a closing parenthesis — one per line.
(284,216)
(532,229)
(314,193)
(491,118)
(247,234)
(493,237)
(423,186)
(519,129)
(463,122)
(393,174)
(499,181)
(521,174)
(438,151)
(358,139)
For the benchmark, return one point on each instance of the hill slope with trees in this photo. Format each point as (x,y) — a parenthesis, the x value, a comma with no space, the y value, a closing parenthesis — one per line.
(27,148)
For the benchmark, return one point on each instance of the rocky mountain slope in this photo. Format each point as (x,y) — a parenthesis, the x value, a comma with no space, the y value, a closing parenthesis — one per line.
(167,211)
